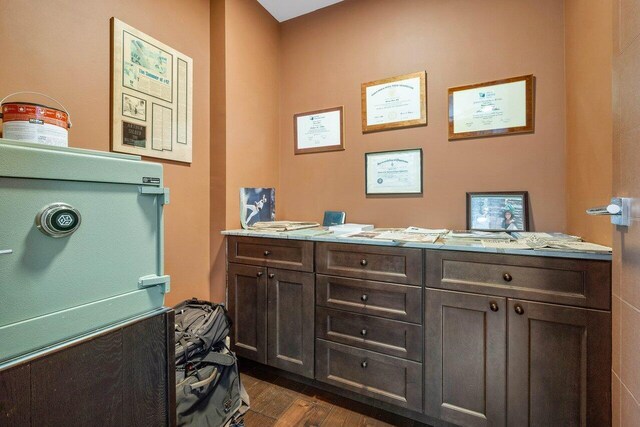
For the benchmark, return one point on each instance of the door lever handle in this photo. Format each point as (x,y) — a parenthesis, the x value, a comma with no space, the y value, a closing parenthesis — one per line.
(618,210)
(6,251)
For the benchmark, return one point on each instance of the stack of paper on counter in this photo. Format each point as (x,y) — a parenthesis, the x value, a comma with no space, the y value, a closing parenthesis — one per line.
(575,247)
(350,228)
(472,237)
(412,234)
(282,225)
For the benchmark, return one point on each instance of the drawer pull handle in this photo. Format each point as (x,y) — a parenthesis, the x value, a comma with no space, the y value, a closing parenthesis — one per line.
(507,277)
(364,364)
(271,275)
(364,297)
(363,262)
(259,273)
(493,306)
(267,253)
(519,310)
(363,332)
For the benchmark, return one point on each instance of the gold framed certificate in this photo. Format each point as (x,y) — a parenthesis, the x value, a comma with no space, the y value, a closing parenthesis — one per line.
(320,130)
(393,172)
(396,102)
(500,107)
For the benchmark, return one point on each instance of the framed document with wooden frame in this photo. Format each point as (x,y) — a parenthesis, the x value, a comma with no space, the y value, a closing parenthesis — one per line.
(500,107)
(395,102)
(318,131)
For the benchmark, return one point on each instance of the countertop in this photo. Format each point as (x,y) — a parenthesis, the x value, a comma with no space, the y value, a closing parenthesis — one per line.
(475,247)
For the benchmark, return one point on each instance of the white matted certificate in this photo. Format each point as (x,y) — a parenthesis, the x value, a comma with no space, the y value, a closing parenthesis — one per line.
(396,102)
(317,131)
(493,108)
(394,172)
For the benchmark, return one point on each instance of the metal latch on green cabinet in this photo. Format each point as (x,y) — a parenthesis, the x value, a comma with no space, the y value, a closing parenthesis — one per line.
(162,192)
(155,280)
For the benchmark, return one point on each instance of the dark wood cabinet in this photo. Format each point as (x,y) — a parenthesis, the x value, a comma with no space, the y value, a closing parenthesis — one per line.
(287,254)
(465,358)
(290,332)
(559,365)
(273,315)
(247,286)
(125,376)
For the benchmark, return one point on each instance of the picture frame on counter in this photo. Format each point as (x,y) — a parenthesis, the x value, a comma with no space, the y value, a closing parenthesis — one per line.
(394,103)
(498,211)
(397,172)
(319,131)
(499,107)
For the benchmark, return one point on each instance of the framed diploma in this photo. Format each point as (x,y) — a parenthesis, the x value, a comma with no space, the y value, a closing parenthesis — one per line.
(396,102)
(393,172)
(494,108)
(317,131)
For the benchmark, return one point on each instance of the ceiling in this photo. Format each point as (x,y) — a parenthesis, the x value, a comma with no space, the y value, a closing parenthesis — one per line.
(283,10)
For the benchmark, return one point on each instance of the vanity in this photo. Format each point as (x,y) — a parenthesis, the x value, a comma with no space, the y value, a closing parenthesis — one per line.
(449,335)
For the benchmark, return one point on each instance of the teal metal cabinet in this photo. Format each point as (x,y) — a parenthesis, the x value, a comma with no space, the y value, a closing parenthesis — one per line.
(81,244)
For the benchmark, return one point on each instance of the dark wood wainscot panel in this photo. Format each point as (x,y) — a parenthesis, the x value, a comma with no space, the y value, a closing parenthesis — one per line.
(383,263)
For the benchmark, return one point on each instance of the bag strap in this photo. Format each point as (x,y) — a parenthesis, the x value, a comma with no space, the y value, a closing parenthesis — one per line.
(218,359)
(188,388)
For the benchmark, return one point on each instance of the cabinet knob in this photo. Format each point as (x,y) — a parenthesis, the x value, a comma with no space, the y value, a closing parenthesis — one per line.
(493,306)
(507,277)
(267,253)
(271,275)
(518,308)
(364,364)
(363,262)
(259,273)
(364,297)
(363,332)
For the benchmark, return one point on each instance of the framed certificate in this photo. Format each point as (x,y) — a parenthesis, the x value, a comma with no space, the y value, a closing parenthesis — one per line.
(396,102)
(393,172)
(494,108)
(321,130)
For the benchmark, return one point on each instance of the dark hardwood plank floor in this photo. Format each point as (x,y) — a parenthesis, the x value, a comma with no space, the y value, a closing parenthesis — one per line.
(279,401)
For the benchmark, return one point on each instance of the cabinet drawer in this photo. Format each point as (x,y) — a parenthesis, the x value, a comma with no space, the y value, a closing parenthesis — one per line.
(388,264)
(385,336)
(382,377)
(584,283)
(281,253)
(399,302)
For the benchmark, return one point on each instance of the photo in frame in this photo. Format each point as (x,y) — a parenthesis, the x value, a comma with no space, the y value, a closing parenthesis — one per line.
(318,131)
(500,107)
(257,205)
(394,103)
(393,172)
(498,211)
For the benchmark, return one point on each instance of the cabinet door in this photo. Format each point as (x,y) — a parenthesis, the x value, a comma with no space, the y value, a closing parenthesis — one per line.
(559,365)
(247,307)
(290,321)
(465,358)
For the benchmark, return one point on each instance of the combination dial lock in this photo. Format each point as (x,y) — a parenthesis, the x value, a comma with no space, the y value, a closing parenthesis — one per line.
(58,220)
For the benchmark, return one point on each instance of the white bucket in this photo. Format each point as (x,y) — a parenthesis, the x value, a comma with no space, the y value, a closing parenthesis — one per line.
(25,121)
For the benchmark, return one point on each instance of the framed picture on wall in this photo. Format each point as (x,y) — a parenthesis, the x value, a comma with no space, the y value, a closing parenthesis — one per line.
(393,172)
(318,131)
(395,102)
(500,107)
(498,211)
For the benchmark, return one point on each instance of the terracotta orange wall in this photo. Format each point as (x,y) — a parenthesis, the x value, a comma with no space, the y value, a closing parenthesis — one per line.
(252,106)
(588,39)
(61,48)
(326,55)
(218,176)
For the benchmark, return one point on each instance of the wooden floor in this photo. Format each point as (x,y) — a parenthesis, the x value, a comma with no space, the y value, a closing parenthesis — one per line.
(279,401)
